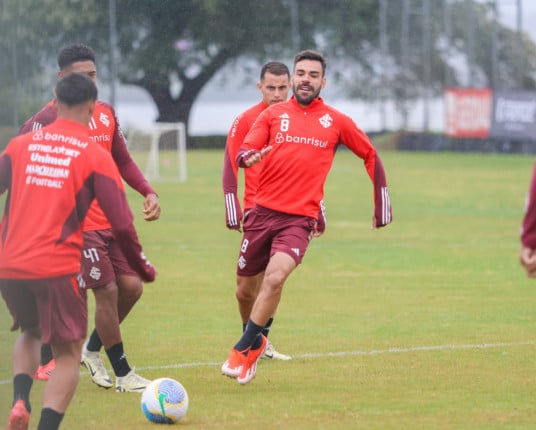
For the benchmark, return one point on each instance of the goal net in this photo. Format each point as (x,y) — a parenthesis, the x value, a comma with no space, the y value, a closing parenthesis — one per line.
(159,150)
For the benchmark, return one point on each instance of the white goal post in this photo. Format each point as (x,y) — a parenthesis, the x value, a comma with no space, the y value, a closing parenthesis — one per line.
(160,150)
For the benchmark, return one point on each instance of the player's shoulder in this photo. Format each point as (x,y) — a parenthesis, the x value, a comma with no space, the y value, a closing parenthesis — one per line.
(103,116)
(334,113)
(40,119)
(278,108)
(252,112)
(104,108)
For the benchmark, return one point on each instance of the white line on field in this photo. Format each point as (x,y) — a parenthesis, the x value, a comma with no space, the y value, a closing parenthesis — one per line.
(345,353)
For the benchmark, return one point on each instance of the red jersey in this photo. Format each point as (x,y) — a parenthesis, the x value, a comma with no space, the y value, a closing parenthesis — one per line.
(304,141)
(235,138)
(104,130)
(528,226)
(52,175)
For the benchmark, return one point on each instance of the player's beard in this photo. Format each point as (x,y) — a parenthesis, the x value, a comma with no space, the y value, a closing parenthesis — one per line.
(305,100)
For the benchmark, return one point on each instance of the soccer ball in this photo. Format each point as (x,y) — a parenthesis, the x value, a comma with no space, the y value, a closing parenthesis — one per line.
(164,401)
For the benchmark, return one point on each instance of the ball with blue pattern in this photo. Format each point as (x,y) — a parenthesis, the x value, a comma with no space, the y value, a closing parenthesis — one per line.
(164,401)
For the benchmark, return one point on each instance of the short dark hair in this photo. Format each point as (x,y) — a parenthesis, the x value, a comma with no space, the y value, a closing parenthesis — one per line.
(275,68)
(76,89)
(75,53)
(310,54)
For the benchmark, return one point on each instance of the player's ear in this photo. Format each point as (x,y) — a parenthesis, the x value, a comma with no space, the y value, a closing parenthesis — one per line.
(323,82)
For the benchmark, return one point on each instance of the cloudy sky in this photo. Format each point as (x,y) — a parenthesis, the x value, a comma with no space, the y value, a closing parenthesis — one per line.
(508,15)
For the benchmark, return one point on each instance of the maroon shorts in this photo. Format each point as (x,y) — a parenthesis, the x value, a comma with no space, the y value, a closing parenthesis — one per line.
(57,305)
(267,232)
(102,259)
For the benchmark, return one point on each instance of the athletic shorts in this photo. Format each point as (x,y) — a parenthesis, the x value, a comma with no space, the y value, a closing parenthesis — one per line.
(57,305)
(102,259)
(267,232)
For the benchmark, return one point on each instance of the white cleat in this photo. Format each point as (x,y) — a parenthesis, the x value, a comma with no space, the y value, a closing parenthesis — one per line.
(131,383)
(272,354)
(94,364)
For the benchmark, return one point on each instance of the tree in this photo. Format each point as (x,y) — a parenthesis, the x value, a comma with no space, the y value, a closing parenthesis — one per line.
(174,48)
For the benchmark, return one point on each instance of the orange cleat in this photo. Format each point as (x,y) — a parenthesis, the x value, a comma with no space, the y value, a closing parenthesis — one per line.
(19,416)
(249,369)
(43,371)
(234,364)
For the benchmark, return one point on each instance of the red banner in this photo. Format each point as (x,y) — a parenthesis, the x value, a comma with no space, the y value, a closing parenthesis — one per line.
(468,112)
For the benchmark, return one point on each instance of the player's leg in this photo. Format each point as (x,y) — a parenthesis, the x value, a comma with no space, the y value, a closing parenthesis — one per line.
(247,288)
(279,268)
(61,386)
(130,289)
(252,260)
(277,271)
(288,238)
(98,275)
(25,355)
(63,321)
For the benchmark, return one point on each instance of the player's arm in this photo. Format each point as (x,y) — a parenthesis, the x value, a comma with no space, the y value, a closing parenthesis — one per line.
(133,176)
(355,139)
(113,201)
(233,211)
(5,172)
(527,254)
(321,220)
(254,148)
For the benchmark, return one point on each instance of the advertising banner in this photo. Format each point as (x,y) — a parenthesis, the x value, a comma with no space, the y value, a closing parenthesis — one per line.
(514,115)
(467,112)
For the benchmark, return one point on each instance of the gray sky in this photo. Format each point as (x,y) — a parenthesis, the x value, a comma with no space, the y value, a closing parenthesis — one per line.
(508,15)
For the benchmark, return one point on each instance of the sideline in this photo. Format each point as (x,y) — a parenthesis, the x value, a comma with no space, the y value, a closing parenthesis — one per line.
(343,354)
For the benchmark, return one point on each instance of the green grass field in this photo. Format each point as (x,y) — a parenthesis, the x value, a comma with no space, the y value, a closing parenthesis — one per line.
(429,323)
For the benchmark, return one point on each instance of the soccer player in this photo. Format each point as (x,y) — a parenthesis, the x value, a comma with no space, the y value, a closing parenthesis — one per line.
(52,175)
(274,85)
(296,141)
(105,270)
(527,256)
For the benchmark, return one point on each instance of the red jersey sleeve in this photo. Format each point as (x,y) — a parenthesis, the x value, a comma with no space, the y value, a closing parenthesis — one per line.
(129,170)
(359,143)
(235,139)
(528,226)
(233,212)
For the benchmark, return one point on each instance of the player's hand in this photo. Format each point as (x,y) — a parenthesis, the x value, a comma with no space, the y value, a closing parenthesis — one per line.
(527,257)
(321,222)
(148,272)
(256,156)
(378,224)
(151,207)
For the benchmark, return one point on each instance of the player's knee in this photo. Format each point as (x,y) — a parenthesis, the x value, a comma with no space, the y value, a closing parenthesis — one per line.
(131,293)
(244,295)
(106,293)
(274,280)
